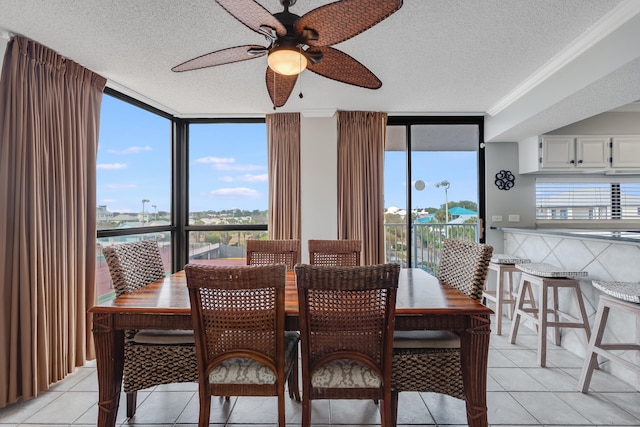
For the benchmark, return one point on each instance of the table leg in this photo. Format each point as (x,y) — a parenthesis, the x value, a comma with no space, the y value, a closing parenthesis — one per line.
(474,353)
(109,344)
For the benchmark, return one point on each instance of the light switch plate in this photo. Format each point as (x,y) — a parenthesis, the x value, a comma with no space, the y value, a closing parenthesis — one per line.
(496,218)
(514,218)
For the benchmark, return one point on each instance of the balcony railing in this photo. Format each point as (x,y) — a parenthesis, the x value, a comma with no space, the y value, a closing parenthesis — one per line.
(427,240)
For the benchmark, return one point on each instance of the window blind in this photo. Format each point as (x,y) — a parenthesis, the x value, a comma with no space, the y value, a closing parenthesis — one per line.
(608,198)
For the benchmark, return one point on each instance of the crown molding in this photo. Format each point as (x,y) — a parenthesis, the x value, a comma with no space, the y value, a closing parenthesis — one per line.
(605,26)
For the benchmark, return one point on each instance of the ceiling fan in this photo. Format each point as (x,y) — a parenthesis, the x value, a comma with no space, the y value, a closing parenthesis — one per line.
(299,42)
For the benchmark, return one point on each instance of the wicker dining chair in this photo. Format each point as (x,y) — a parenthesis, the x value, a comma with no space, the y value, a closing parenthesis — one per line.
(151,357)
(264,252)
(335,252)
(429,361)
(347,317)
(242,347)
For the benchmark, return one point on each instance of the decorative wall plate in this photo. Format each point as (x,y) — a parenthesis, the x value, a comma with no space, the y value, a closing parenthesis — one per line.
(505,180)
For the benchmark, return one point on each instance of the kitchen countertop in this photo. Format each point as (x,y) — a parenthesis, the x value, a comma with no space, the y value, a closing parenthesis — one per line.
(616,235)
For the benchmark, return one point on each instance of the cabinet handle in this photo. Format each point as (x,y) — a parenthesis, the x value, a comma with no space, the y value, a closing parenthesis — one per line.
(572,161)
(579,161)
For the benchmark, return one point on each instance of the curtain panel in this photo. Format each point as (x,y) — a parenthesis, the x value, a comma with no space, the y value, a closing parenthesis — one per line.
(361,142)
(283,141)
(49,120)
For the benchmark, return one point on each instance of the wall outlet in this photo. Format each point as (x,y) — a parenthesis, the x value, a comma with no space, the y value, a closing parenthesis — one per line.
(514,218)
(496,218)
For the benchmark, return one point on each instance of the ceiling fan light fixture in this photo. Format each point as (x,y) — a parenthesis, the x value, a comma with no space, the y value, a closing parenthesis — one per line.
(287,60)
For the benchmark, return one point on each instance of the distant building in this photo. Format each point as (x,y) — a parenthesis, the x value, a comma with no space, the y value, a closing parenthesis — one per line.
(458,215)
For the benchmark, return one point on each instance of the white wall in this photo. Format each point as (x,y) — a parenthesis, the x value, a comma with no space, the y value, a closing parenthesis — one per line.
(611,123)
(519,200)
(3,48)
(318,180)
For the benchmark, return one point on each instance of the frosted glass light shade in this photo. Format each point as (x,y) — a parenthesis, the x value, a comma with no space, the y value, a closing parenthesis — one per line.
(286,61)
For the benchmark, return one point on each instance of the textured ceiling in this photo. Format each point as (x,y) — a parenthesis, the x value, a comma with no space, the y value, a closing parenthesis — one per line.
(433,57)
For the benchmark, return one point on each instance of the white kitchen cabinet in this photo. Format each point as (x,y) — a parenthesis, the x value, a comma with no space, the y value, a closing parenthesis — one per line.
(571,152)
(625,152)
(567,153)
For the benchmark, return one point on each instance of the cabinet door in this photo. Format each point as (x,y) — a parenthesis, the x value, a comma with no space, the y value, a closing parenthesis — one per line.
(557,152)
(592,152)
(625,151)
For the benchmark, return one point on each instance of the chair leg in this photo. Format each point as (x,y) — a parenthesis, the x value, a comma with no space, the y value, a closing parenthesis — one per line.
(205,410)
(281,413)
(520,301)
(132,399)
(394,408)
(556,318)
(306,410)
(542,324)
(591,359)
(499,298)
(386,412)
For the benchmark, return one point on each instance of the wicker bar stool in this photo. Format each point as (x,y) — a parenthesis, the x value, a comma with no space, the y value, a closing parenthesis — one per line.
(547,277)
(621,297)
(504,266)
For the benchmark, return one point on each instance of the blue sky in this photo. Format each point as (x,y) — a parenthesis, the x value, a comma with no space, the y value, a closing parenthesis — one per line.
(228,169)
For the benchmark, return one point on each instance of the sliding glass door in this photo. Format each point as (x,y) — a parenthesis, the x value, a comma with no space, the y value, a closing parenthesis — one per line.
(433,187)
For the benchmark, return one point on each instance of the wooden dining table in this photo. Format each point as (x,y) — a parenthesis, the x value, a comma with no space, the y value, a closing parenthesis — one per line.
(423,303)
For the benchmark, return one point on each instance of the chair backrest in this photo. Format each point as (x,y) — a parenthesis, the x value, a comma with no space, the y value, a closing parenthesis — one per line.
(347,313)
(134,265)
(464,266)
(265,252)
(335,252)
(237,312)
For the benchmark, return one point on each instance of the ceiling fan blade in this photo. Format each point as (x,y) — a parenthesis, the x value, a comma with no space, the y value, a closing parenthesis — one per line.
(221,57)
(279,87)
(341,67)
(253,15)
(341,20)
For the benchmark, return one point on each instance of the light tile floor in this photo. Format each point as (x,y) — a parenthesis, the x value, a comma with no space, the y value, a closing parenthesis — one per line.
(519,394)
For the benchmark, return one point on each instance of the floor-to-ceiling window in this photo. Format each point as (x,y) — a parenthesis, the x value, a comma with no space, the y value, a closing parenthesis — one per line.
(228,190)
(133,181)
(433,186)
(198,187)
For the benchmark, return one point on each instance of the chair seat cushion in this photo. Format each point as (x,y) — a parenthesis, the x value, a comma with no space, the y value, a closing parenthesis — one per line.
(426,339)
(248,371)
(548,270)
(345,373)
(508,259)
(164,337)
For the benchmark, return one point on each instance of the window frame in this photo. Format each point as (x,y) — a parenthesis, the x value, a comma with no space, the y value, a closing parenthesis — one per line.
(179,228)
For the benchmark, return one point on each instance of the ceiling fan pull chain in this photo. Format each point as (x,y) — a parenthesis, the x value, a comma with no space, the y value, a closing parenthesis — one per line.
(300,79)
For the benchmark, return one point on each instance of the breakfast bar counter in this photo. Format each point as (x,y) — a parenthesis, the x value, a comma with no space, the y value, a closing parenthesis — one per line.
(607,255)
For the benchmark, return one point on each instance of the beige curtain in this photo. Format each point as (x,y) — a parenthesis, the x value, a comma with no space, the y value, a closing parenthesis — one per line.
(283,140)
(361,141)
(49,119)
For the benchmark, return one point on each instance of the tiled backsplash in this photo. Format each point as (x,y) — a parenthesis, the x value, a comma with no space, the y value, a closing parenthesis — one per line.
(603,260)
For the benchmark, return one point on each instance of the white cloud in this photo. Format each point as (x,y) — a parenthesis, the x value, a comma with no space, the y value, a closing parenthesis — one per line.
(216,160)
(111,166)
(254,178)
(227,179)
(228,164)
(235,192)
(120,186)
(108,201)
(131,150)
(241,168)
